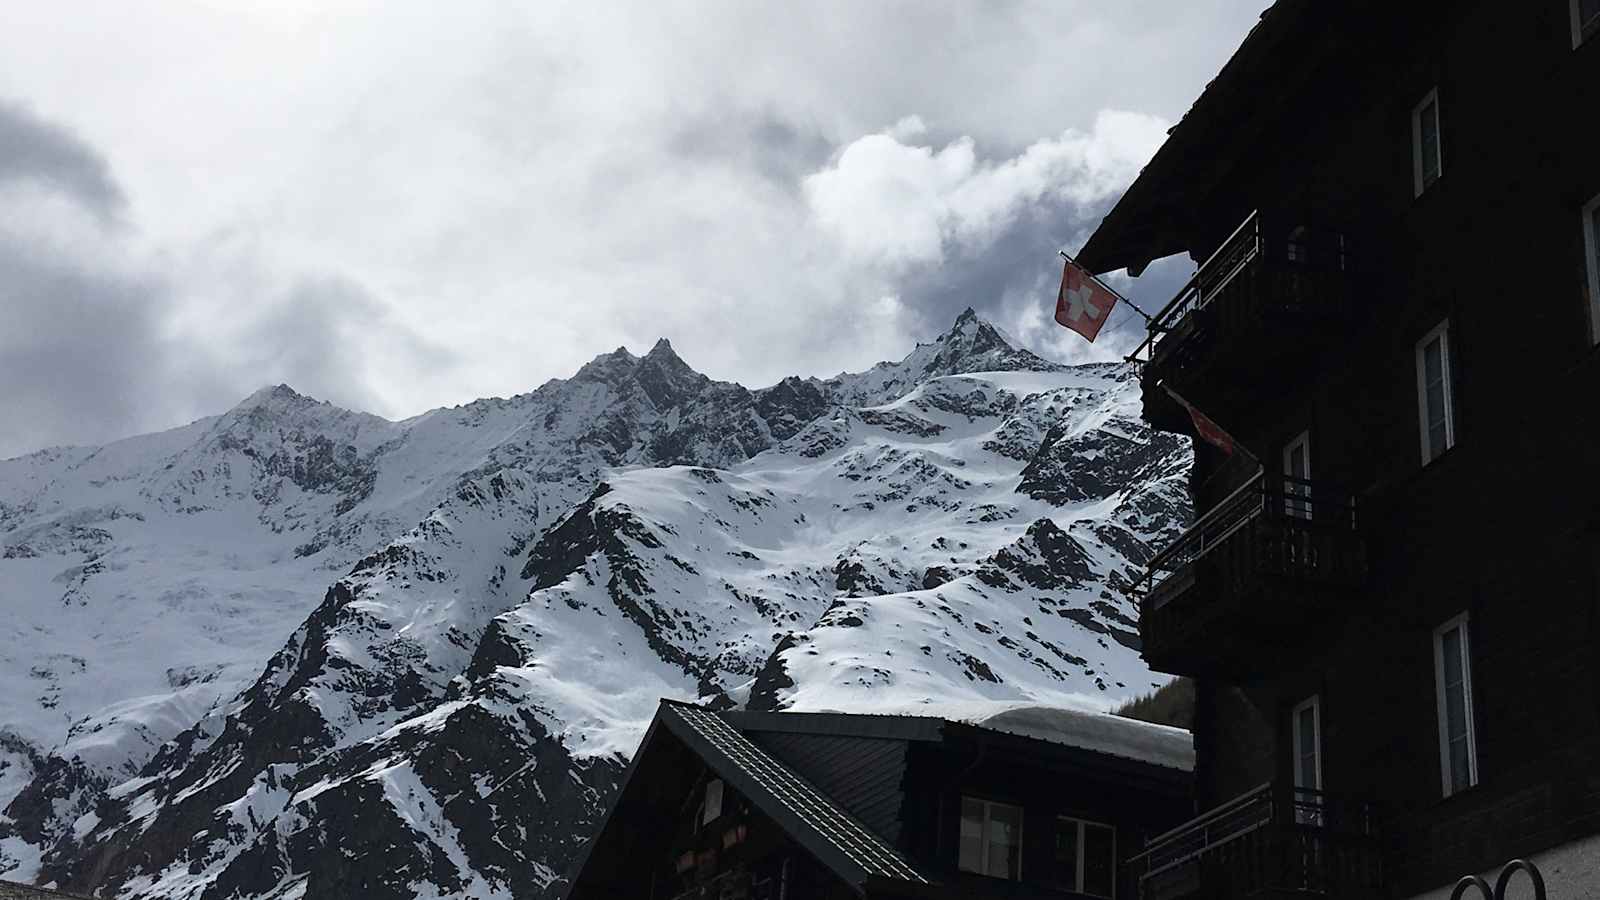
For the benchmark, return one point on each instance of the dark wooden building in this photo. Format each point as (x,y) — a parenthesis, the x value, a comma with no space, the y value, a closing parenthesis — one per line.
(1394,619)
(1033,802)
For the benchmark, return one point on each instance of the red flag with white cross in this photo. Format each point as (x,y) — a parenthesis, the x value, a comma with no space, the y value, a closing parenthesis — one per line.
(1209,431)
(1083,304)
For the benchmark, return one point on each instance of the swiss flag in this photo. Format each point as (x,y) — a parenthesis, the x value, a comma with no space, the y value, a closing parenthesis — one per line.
(1209,431)
(1082,304)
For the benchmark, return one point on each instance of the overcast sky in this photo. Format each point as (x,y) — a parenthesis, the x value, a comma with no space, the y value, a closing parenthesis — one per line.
(394,207)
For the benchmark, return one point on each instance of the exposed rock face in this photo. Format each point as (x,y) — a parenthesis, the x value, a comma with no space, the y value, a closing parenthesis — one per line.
(522,579)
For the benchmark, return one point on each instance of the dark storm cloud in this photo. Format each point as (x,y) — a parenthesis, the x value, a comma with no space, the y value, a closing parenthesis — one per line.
(82,355)
(1023,266)
(314,340)
(90,348)
(32,149)
(778,150)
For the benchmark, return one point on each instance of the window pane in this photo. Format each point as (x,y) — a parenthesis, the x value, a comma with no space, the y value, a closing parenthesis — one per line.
(1455,712)
(1067,853)
(1308,731)
(1429,123)
(1306,752)
(1457,735)
(1433,362)
(1099,860)
(971,835)
(1450,644)
(1594,228)
(1005,841)
(1460,770)
(1434,414)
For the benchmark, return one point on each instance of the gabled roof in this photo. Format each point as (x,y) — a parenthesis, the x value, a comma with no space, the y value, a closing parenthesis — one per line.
(836,838)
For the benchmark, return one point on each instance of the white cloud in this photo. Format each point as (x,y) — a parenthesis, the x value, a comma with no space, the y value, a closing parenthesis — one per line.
(897,203)
(528,186)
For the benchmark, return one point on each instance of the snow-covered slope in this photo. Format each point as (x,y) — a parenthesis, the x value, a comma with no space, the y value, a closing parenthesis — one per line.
(523,579)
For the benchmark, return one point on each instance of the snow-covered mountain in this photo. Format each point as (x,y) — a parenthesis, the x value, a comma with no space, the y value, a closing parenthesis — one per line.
(514,583)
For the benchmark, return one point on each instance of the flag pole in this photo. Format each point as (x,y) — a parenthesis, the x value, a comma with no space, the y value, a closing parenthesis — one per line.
(1114,292)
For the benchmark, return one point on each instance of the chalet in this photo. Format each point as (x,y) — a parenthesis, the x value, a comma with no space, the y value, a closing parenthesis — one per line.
(1390,598)
(1027,802)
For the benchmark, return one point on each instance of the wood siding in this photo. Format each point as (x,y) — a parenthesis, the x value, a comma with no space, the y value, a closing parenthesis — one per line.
(1503,526)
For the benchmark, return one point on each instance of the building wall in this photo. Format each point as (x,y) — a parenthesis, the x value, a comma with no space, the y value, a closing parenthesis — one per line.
(1503,526)
(1046,786)
(1568,871)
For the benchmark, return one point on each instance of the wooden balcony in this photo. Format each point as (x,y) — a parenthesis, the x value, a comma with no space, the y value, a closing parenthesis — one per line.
(1275,841)
(1238,592)
(1277,289)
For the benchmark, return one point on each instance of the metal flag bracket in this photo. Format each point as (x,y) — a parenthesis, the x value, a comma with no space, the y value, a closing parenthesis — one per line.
(1116,293)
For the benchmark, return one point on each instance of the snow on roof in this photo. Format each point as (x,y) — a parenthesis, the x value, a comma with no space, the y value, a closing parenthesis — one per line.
(1086,729)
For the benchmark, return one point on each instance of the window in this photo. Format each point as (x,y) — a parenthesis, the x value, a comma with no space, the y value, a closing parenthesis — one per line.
(991,838)
(1086,857)
(1306,724)
(1585,20)
(1296,474)
(1435,400)
(1427,159)
(713,804)
(1591,262)
(1452,665)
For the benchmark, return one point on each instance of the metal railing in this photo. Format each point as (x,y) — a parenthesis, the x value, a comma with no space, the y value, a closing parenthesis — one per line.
(1244,245)
(1302,247)
(1298,506)
(1274,835)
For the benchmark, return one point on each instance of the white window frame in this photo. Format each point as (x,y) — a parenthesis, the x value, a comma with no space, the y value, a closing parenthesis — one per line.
(1313,703)
(1442,332)
(1416,141)
(1460,621)
(1577,27)
(1077,885)
(1307,810)
(983,857)
(1591,264)
(1297,508)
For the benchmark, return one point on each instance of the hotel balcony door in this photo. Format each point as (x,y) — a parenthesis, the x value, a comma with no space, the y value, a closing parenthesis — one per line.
(1297,472)
(1307,736)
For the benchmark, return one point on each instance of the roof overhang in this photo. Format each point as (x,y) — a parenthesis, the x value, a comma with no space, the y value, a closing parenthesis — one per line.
(1154,217)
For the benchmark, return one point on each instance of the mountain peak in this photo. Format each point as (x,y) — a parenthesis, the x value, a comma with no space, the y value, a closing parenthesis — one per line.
(666,378)
(972,335)
(612,368)
(279,392)
(274,397)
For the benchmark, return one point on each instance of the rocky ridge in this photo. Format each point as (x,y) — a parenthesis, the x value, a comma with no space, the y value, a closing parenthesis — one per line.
(523,579)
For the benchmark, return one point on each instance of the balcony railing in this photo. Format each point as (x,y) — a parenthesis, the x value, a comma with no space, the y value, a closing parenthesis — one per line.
(1264,272)
(1291,522)
(1274,838)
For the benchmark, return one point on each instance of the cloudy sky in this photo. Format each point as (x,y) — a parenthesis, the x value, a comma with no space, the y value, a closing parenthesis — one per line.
(394,207)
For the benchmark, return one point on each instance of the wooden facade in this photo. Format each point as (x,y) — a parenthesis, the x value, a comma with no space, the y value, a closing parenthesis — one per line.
(1360,180)
(895,793)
